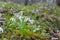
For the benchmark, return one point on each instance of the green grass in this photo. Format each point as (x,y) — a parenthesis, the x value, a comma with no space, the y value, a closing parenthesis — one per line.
(47,18)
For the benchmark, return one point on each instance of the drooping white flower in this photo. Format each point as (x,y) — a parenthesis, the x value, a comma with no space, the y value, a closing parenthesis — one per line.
(1,30)
(21,12)
(12,19)
(31,21)
(16,15)
(21,17)
(26,19)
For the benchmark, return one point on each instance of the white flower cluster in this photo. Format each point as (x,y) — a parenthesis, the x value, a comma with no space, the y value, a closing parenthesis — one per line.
(20,16)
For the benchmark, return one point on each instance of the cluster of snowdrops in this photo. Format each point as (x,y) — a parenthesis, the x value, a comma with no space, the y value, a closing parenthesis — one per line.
(31,22)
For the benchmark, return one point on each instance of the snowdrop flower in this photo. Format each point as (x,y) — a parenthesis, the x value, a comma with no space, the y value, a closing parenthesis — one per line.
(1,30)
(12,19)
(11,9)
(16,15)
(21,12)
(26,19)
(31,21)
(20,18)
